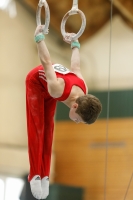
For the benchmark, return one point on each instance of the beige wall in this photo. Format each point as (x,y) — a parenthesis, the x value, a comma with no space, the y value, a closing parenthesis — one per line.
(96,52)
(16,59)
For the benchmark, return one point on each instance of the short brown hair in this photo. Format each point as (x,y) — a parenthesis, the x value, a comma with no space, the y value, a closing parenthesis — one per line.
(89,108)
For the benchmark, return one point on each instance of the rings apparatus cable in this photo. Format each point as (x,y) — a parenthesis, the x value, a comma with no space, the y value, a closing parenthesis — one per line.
(128,187)
(108,103)
(47,15)
(73,11)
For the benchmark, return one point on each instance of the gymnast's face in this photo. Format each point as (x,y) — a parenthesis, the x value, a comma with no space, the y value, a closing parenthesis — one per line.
(73,115)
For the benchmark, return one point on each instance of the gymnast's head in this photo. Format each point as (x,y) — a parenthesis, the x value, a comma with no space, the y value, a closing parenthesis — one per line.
(86,109)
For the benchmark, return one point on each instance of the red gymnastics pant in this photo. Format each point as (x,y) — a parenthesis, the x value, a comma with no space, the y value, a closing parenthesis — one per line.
(40,107)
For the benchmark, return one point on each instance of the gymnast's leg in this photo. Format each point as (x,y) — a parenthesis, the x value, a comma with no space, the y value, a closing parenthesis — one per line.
(35,129)
(49,108)
(40,125)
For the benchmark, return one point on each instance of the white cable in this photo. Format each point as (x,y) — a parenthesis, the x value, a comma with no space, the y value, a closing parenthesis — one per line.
(108,103)
(128,187)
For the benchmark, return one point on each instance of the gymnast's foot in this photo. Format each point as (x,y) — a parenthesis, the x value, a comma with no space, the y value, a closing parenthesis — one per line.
(35,185)
(45,187)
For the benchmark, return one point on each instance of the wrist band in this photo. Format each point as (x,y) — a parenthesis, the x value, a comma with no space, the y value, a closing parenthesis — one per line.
(39,37)
(75,44)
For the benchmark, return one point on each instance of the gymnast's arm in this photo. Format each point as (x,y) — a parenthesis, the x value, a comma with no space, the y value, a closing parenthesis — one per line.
(54,86)
(75,57)
(46,61)
(75,62)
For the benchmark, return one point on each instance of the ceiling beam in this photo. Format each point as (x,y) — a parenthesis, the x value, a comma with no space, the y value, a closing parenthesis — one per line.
(123,10)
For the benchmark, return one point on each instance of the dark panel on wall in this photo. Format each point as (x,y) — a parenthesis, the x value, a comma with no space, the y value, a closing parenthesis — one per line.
(64,192)
(56,192)
(62,112)
(120,105)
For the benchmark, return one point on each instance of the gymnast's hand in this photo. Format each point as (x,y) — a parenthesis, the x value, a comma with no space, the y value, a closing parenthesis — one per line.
(68,38)
(39,30)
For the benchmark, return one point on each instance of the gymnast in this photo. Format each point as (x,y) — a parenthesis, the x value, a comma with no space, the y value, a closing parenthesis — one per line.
(47,84)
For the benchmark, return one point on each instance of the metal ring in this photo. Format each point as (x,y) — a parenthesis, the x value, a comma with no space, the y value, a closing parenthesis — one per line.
(47,15)
(63,23)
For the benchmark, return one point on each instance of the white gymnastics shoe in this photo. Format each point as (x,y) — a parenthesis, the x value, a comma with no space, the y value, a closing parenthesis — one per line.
(35,185)
(45,187)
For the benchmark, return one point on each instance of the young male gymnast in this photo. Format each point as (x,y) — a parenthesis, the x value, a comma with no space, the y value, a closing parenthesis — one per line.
(45,85)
